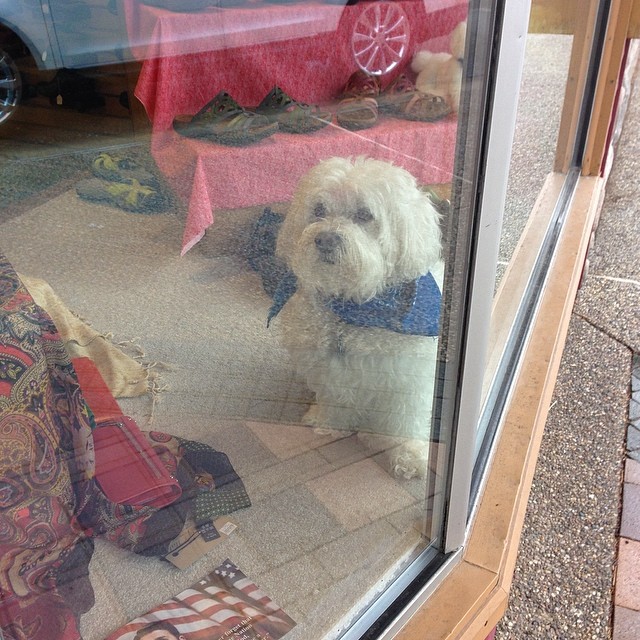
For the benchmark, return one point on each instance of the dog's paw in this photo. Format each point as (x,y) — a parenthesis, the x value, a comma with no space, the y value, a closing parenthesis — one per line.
(408,461)
(406,457)
(312,417)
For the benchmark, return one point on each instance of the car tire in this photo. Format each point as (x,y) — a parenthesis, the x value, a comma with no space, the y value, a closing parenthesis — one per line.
(10,86)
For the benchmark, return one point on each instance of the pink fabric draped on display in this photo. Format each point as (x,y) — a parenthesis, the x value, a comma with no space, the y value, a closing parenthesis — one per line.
(305,49)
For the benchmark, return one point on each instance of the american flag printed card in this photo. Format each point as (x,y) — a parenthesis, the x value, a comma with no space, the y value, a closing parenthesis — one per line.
(224,605)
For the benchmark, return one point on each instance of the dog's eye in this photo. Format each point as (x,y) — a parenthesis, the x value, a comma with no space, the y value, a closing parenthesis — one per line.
(320,211)
(363,215)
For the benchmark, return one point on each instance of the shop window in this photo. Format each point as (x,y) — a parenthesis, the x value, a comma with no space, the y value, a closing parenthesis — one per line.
(239,352)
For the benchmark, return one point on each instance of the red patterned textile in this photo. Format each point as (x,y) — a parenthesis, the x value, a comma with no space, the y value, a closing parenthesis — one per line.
(51,503)
(46,467)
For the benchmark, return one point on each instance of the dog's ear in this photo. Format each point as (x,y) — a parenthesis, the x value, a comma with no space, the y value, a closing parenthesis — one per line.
(418,234)
(291,228)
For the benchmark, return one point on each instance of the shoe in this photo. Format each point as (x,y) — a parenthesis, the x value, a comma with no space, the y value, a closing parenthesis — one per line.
(292,116)
(425,107)
(358,108)
(224,121)
(401,99)
(118,169)
(130,196)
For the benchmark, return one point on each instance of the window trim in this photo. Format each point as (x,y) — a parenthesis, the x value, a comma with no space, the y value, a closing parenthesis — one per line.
(614,56)
(586,23)
(501,127)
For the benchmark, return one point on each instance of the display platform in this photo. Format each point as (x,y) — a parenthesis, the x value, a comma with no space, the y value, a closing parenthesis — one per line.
(306,49)
(211,177)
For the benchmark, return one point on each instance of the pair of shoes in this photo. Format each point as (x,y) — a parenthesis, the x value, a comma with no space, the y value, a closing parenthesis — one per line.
(224,121)
(364,99)
(292,116)
(123,183)
(129,195)
(119,169)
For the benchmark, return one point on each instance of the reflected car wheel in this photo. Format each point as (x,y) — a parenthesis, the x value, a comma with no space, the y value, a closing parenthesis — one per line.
(380,39)
(10,86)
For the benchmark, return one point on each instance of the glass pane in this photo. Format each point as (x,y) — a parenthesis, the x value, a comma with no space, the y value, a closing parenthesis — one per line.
(231,222)
(554,78)
(542,94)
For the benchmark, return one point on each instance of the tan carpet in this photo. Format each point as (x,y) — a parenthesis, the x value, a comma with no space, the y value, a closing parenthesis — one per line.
(326,521)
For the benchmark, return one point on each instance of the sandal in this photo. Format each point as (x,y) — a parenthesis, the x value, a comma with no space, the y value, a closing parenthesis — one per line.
(358,108)
(425,107)
(361,84)
(397,95)
(357,113)
(130,196)
(117,169)
(402,100)
(292,116)
(224,121)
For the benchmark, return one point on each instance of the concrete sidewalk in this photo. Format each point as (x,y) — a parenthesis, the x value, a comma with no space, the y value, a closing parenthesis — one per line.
(578,571)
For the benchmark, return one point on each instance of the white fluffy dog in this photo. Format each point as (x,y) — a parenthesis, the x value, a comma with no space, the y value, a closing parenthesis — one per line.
(361,240)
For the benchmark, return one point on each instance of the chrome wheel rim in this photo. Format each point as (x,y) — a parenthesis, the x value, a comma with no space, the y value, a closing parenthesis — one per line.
(380,38)
(10,86)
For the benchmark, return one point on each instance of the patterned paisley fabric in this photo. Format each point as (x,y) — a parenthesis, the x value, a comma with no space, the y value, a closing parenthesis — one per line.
(46,467)
(51,505)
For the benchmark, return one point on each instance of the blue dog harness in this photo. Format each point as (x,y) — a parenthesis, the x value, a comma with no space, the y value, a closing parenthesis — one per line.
(411,307)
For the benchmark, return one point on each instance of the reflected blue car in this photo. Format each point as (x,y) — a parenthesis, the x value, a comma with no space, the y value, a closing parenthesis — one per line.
(73,34)
(57,34)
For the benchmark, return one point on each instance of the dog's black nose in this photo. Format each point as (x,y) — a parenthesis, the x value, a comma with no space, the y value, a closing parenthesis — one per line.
(327,241)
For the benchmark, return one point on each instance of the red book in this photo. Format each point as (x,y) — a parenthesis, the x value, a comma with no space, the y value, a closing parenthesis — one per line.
(128,469)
